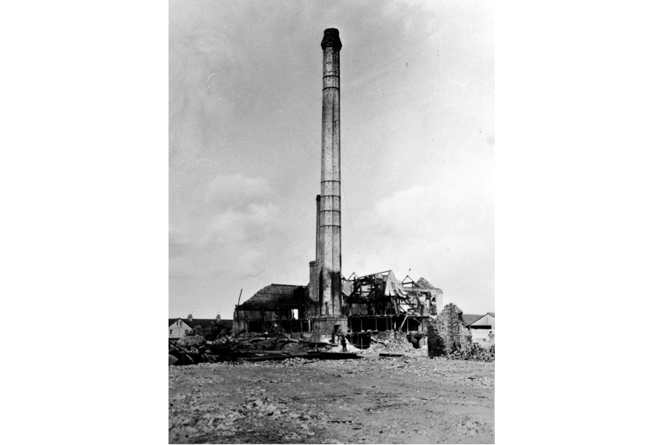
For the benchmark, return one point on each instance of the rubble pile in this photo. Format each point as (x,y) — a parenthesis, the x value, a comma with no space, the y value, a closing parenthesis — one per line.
(191,341)
(194,349)
(296,347)
(397,344)
(474,352)
(271,341)
(185,355)
(447,333)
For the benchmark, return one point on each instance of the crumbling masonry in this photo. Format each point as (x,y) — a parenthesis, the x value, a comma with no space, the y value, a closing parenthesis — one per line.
(447,332)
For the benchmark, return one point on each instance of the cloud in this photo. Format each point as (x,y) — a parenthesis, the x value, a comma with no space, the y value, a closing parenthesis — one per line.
(233,215)
(236,189)
(241,229)
(441,232)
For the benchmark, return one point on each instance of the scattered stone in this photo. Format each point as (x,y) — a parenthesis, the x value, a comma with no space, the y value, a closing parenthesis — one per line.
(211,415)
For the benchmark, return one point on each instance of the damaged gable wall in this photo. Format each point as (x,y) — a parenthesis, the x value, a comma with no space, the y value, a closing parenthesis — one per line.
(447,332)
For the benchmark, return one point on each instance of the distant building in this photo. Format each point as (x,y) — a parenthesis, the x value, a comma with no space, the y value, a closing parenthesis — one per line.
(211,327)
(178,328)
(482,327)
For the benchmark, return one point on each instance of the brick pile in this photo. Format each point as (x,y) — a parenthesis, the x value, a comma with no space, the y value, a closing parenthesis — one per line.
(447,332)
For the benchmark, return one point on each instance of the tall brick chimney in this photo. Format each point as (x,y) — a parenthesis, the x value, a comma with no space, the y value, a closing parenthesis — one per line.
(330,202)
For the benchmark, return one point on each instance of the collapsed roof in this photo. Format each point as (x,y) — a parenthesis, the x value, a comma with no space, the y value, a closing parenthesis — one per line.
(277,297)
(407,296)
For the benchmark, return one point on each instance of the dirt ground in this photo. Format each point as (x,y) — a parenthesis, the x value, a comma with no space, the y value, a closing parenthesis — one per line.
(369,400)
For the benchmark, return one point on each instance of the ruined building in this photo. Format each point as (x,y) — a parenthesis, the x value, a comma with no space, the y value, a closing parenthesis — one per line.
(330,302)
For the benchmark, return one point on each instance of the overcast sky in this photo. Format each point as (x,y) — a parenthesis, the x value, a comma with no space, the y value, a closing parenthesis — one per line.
(417,146)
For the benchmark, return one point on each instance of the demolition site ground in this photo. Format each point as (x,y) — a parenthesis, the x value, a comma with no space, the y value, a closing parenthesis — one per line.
(368,400)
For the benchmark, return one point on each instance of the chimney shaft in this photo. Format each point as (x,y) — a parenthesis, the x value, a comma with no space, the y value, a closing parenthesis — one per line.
(318,227)
(315,266)
(330,202)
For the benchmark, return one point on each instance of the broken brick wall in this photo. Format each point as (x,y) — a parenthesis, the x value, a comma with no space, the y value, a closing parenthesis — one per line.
(447,332)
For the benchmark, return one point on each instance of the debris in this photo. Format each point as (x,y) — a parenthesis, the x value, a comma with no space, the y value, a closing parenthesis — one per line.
(397,344)
(192,340)
(265,401)
(376,340)
(307,356)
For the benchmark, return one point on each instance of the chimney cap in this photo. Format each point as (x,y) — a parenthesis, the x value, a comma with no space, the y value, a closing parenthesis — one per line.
(331,39)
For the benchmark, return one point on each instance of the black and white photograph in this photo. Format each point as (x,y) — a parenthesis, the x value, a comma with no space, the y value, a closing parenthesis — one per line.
(330,201)
(331,222)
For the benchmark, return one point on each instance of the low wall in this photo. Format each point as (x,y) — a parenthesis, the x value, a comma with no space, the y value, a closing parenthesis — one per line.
(325,326)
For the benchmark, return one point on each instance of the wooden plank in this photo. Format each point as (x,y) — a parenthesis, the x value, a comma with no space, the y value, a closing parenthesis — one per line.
(405,319)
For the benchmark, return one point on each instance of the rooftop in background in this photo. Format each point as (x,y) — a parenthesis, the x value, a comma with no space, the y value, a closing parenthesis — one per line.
(469,319)
(202,322)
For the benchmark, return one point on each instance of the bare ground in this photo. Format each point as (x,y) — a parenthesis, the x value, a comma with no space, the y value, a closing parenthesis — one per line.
(370,400)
